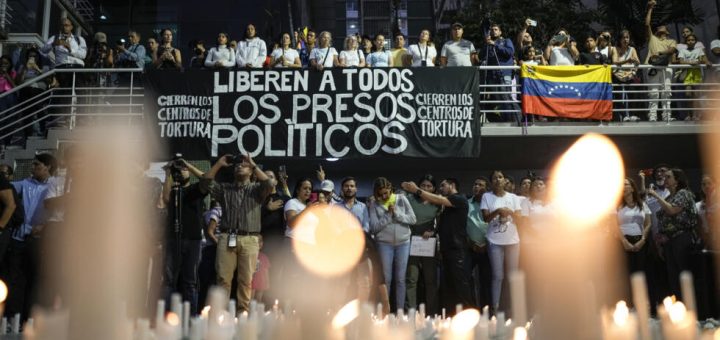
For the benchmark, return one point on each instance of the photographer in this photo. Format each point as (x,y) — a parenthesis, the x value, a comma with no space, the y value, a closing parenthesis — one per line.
(241,201)
(500,52)
(198,59)
(562,49)
(134,55)
(70,50)
(183,235)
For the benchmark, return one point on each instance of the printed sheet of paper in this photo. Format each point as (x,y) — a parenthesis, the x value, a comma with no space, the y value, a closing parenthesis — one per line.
(422,247)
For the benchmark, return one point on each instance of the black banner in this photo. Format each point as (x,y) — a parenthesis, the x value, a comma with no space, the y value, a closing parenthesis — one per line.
(414,112)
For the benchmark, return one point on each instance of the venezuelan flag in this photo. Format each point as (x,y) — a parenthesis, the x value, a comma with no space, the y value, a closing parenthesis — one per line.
(567,91)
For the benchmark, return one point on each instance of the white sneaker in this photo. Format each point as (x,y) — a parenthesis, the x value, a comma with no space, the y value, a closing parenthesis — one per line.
(652,117)
(626,119)
(634,118)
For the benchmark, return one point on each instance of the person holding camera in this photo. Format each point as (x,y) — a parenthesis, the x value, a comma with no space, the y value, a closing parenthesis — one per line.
(501,52)
(562,49)
(524,39)
(132,56)
(238,242)
(70,50)
(167,57)
(183,234)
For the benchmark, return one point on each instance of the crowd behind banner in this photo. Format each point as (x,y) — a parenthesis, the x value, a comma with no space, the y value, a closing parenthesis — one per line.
(308,48)
(426,241)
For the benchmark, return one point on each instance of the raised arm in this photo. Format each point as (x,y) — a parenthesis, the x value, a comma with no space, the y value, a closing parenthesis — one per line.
(412,188)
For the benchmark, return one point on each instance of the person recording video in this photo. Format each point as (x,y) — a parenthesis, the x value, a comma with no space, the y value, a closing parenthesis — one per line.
(500,51)
(183,234)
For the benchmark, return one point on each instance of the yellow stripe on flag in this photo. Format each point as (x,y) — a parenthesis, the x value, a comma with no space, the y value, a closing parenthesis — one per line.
(569,74)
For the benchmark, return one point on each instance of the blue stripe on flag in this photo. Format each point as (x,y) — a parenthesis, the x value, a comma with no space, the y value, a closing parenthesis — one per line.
(551,89)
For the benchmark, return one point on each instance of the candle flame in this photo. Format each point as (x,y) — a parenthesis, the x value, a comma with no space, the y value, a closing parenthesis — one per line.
(621,314)
(328,240)
(592,156)
(3,291)
(172,319)
(668,302)
(346,314)
(205,312)
(677,312)
(520,333)
(716,336)
(221,319)
(465,321)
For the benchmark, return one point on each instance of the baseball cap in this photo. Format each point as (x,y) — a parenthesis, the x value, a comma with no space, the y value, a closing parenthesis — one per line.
(715,44)
(100,37)
(327,186)
(457,24)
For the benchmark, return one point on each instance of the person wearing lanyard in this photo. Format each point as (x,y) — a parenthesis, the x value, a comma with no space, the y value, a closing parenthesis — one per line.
(241,201)
(423,53)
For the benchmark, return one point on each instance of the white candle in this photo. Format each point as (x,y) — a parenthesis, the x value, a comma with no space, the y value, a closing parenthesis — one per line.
(620,324)
(16,324)
(688,291)
(3,326)
(160,313)
(462,326)
(677,322)
(176,304)
(642,305)
(458,308)
(517,296)
(421,310)
(196,329)
(185,318)
(232,307)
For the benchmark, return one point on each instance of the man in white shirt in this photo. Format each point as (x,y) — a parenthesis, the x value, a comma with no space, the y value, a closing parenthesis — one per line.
(458,51)
(252,51)
(70,50)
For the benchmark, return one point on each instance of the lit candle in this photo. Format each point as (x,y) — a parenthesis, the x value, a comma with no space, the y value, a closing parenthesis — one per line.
(520,333)
(3,297)
(170,328)
(677,322)
(642,306)
(621,325)
(517,296)
(232,308)
(159,313)
(688,291)
(343,318)
(176,304)
(462,325)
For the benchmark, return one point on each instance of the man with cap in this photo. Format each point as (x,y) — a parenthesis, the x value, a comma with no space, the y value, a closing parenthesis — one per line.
(327,187)
(660,50)
(458,51)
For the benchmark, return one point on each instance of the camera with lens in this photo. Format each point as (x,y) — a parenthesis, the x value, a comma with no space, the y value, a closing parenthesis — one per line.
(176,166)
(235,160)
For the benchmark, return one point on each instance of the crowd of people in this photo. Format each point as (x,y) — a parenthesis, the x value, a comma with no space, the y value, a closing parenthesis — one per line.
(243,238)
(307,48)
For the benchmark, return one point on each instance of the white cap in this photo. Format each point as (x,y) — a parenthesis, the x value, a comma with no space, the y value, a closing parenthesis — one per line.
(715,44)
(327,185)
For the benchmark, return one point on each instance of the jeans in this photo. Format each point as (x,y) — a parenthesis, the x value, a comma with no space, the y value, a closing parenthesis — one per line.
(395,261)
(427,268)
(499,255)
(185,266)
(506,97)
(243,258)
(660,82)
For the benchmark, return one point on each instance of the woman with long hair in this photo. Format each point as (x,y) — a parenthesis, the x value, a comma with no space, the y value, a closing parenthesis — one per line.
(285,56)
(167,56)
(221,56)
(501,210)
(625,55)
(634,220)
(390,219)
(380,57)
(296,205)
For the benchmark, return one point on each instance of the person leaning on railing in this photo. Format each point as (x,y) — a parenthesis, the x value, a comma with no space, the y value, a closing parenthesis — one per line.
(351,55)
(33,67)
(695,56)
(625,55)
(285,56)
(220,56)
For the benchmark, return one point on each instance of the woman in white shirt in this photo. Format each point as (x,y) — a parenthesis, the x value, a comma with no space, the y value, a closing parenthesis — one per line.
(285,56)
(423,53)
(501,210)
(293,207)
(561,50)
(220,56)
(324,55)
(351,56)
(634,220)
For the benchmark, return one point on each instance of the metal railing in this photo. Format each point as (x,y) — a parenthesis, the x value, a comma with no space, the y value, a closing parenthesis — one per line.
(82,97)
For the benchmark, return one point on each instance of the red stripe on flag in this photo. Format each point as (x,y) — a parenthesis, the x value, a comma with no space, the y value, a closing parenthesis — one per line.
(567,108)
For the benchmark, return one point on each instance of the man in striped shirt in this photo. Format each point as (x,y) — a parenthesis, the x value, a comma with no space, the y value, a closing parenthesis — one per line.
(238,243)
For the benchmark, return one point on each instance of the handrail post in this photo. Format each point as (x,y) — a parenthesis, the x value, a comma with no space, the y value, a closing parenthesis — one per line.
(130,110)
(73,101)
